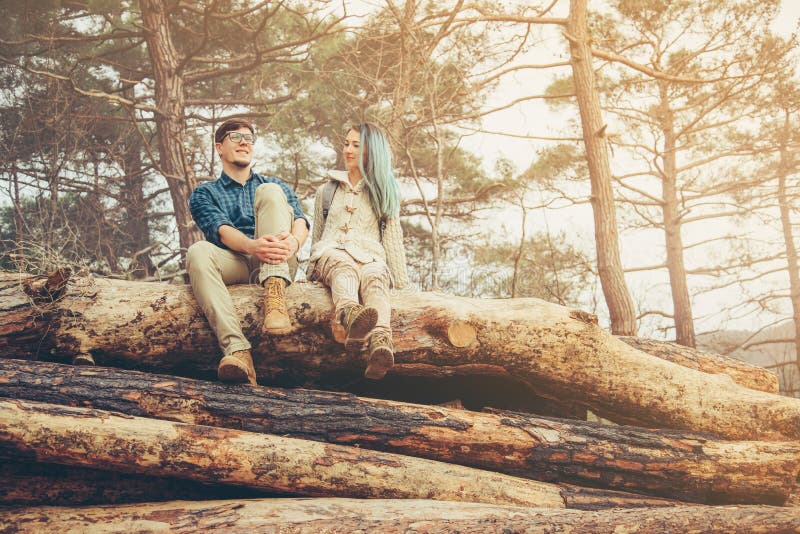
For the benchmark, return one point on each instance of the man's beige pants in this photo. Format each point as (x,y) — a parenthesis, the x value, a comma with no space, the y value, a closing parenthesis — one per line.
(211,268)
(350,279)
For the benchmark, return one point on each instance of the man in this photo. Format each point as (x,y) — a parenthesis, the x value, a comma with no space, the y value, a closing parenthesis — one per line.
(253,226)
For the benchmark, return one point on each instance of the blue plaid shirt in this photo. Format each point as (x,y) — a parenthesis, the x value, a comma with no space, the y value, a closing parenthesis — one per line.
(225,201)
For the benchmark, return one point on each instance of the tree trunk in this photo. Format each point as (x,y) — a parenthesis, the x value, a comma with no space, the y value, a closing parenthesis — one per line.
(19,219)
(681,303)
(315,516)
(788,235)
(689,467)
(32,484)
(609,264)
(84,437)
(169,99)
(520,250)
(561,352)
(436,237)
(133,201)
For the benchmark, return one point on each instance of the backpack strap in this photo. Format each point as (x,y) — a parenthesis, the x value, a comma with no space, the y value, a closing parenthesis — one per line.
(382,226)
(327,199)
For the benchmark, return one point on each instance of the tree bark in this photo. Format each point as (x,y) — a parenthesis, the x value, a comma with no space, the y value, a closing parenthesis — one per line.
(170,100)
(314,516)
(85,437)
(560,352)
(32,484)
(609,264)
(135,204)
(743,373)
(689,467)
(681,303)
(784,204)
(520,249)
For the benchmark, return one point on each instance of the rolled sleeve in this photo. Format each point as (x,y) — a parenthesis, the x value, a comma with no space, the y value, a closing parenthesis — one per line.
(208,215)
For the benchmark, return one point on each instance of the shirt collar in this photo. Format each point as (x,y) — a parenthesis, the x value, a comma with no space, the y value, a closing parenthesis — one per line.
(227,181)
(341,177)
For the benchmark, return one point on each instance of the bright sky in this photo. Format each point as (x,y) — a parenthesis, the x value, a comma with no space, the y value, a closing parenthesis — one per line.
(533,118)
(789,17)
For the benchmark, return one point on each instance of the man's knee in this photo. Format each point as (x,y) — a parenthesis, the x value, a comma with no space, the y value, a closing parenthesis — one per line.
(199,256)
(271,194)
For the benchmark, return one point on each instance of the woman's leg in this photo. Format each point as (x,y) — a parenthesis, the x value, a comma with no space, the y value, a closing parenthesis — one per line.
(339,271)
(375,293)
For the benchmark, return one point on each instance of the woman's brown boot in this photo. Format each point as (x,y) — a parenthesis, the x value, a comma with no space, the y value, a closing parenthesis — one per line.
(381,355)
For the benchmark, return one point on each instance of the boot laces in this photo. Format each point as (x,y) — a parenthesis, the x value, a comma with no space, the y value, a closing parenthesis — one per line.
(350,314)
(380,338)
(275,295)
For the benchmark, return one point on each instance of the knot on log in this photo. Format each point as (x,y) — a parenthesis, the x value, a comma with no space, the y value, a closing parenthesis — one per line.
(586,317)
(50,288)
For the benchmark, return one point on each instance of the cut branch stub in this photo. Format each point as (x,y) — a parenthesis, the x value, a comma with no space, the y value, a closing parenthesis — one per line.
(461,334)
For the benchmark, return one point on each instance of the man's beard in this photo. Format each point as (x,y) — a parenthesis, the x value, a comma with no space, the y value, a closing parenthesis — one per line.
(241,164)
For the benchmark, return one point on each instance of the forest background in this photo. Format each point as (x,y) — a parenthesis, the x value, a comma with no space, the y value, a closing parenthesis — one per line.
(633,158)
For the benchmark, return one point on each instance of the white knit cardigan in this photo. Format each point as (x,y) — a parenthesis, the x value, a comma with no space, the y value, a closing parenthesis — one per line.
(352,226)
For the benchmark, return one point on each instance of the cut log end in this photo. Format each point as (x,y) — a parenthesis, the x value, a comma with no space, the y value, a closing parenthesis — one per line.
(461,334)
(83,358)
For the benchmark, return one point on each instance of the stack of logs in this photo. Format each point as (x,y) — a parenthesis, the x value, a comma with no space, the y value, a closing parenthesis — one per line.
(705,443)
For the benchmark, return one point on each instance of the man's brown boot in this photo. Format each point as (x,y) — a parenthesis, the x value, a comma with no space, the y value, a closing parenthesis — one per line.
(381,355)
(237,367)
(357,320)
(276,318)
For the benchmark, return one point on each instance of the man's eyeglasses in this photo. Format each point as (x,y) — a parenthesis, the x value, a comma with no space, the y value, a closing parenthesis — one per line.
(237,137)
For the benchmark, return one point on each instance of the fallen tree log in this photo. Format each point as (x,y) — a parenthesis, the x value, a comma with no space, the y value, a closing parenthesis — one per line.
(562,353)
(314,516)
(50,433)
(743,373)
(32,484)
(24,299)
(689,467)
(24,483)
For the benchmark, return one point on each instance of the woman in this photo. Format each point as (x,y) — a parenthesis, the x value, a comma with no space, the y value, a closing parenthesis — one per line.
(357,244)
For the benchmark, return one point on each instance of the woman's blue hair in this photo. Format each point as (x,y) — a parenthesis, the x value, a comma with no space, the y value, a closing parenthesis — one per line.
(377,170)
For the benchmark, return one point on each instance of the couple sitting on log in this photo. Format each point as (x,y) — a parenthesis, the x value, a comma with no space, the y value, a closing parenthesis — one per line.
(254,227)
